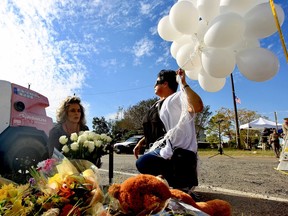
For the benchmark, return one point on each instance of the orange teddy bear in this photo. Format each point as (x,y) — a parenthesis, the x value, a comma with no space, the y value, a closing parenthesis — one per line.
(146,194)
(214,207)
(141,194)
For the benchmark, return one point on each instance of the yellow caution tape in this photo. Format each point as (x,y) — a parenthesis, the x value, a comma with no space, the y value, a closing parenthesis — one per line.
(279,28)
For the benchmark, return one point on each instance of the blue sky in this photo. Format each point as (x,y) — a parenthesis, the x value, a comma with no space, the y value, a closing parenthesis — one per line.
(109,53)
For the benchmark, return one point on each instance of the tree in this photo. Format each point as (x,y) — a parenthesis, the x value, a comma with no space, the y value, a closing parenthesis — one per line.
(228,128)
(133,115)
(201,120)
(100,125)
(132,119)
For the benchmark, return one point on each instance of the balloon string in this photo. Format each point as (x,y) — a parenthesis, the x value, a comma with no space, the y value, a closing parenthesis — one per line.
(279,28)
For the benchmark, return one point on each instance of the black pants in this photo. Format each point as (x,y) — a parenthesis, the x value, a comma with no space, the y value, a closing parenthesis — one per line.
(180,171)
(184,169)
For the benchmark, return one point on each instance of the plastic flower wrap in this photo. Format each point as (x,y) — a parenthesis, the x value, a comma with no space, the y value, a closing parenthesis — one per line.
(74,188)
(87,145)
(58,187)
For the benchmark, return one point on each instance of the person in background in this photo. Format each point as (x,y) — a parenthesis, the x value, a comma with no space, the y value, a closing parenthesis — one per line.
(172,115)
(70,119)
(275,142)
(264,138)
(285,128)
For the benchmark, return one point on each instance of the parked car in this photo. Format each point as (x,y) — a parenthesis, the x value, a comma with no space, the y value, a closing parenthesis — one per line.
(128,145)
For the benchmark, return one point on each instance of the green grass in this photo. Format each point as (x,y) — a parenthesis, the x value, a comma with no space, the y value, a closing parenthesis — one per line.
(237,152)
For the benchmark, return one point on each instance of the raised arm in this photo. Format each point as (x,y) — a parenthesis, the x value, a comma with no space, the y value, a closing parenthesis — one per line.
(195,103)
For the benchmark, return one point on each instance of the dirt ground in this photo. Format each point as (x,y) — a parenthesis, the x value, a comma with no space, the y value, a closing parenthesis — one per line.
(252,185)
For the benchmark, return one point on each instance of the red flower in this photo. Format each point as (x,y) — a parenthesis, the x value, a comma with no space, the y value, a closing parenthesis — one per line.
(70,210)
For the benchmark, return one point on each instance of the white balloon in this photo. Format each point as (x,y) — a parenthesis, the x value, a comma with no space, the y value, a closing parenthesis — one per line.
(218,63)
(209,83)
(166,30)
(177,44)
(193,1)
(208,9)
(260,22)
(256,2)
(257,64)
(225,30)
(202,29)
(237,6)
(193,75)
(246,43)
(184,17)
(188,57)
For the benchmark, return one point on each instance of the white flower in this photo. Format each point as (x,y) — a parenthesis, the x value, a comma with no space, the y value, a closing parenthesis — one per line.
(91,135)
(96,137)
(74,146)
(63,140)
(88,143)
(91,146)
(106,138)
(82,138)
(65,149)
(98,143)
(74,137)
(103,136)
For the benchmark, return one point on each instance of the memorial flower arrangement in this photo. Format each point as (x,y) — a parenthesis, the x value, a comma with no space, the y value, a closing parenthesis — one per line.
(57,188)
(86,145)
(72,188)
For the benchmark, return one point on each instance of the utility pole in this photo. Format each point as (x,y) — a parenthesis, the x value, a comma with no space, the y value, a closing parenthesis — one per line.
(238,141)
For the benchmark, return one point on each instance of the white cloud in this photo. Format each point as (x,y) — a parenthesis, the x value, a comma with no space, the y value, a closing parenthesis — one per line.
(30,55)
(53,44)
(143,47)
(145,8)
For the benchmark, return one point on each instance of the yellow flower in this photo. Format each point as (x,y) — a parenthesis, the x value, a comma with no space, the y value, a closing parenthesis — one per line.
(55,182)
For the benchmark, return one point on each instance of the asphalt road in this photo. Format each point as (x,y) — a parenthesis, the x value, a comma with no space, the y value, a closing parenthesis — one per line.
(251,185)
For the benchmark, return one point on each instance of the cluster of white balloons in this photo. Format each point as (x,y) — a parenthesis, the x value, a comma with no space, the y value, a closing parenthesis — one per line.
(210,37)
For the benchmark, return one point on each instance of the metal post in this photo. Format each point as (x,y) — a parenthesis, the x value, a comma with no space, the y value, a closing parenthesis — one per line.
(275,115)
(238,141)
(111,161)
(220,149)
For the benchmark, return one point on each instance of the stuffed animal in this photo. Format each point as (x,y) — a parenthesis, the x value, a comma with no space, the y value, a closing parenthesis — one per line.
(141,195)
(214,207)
(145,194)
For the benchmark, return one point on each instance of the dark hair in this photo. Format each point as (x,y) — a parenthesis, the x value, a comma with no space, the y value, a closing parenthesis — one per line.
(63,110)
(169,76)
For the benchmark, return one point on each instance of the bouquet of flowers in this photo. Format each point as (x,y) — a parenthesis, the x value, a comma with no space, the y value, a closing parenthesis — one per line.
(87,145)
(57,188)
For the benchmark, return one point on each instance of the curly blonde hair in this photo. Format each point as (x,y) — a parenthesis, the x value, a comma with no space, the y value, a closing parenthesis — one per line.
(62,111)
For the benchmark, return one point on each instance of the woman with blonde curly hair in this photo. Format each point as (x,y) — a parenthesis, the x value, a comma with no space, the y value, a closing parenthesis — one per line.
(70,119)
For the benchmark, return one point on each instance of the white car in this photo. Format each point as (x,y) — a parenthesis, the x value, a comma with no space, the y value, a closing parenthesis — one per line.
(128,145)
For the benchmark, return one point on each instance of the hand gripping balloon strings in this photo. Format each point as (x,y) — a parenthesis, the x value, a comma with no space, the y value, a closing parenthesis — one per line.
(279,28)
